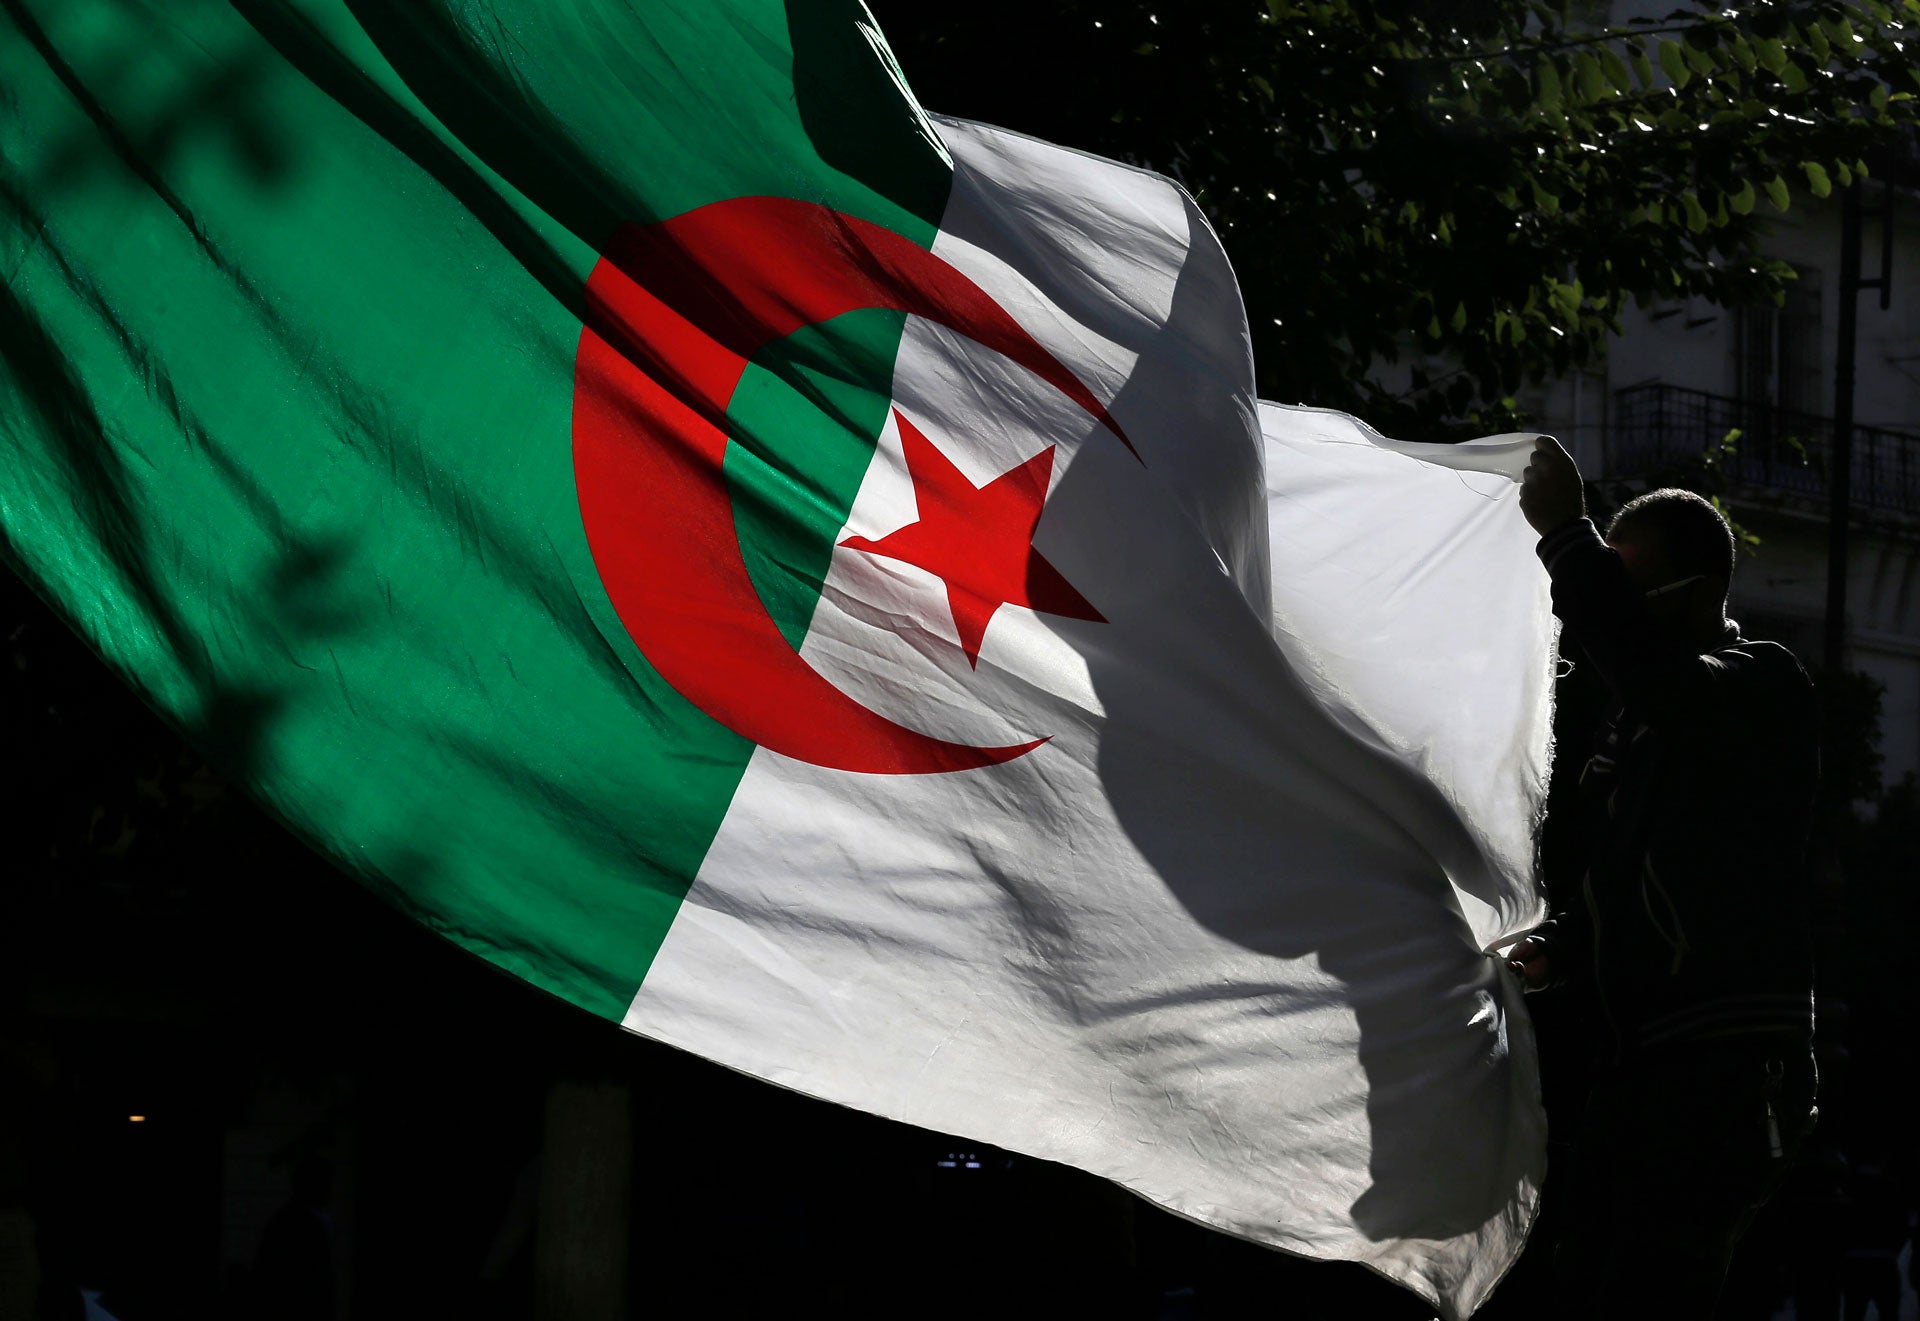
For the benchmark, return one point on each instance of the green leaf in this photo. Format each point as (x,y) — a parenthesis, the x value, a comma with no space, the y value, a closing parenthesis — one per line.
(1817,178)
(1593,83)
(1643,67)
(1878,96)
(1616,70)
(1846,175)
(1546,84)
(1818,44)
(1546,201)
(1565,299)
(1674,62)
(1777,192)
(1773,55)
(1696,214)
(1433,328)
(1742,200)
(1742,52)
(1656,213)
(1459,321)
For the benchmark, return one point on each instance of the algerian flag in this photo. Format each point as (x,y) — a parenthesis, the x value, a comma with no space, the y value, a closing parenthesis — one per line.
(794,577)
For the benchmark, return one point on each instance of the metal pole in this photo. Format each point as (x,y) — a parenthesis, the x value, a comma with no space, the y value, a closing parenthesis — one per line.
(1840,453)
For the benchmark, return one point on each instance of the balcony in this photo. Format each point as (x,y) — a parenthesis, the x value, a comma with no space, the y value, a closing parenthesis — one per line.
(1780,454)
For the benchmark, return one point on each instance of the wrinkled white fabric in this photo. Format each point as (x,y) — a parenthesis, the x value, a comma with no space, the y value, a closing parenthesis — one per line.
(1221,938)
(1404,586)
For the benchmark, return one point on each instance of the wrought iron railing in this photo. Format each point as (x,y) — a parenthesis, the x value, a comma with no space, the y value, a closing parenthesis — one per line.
(1665,428)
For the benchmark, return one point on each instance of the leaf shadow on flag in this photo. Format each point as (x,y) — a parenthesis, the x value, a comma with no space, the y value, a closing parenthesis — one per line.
(544,174)
(226,719)
(1277,828)
(225,102)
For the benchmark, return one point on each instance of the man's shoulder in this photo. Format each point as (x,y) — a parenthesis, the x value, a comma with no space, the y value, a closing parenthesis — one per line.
(1766,671)
(1762,654)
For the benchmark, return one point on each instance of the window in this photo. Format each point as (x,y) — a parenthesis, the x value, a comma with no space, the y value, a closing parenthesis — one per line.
(1778,360)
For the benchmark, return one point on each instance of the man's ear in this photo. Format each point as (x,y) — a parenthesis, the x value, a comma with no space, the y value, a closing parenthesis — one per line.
(1713,588)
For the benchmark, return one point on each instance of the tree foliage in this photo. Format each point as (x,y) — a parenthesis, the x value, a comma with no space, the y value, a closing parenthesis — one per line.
(1473,188)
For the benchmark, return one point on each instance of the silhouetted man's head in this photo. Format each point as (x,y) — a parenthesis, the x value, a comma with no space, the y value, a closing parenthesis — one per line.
(1679,551)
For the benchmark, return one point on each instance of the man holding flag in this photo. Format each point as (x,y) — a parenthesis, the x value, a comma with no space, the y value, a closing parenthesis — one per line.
(1692,924)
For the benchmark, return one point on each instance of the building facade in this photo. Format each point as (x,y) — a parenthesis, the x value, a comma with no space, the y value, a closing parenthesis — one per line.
(1683,376)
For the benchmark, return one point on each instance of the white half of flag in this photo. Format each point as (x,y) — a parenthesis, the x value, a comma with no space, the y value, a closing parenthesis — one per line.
(1224,937)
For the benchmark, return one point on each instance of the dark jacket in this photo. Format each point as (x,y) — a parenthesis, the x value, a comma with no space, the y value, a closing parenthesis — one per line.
(1692,917)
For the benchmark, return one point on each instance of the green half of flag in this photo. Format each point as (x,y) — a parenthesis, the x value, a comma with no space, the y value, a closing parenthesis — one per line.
(287,343)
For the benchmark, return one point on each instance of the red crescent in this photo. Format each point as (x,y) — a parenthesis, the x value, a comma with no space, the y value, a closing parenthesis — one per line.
(674,311)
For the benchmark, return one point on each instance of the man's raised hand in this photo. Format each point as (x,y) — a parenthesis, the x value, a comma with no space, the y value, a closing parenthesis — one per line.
(1550,492)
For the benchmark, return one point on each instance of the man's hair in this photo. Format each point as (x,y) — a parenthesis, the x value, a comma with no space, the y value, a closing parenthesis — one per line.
(1688,531)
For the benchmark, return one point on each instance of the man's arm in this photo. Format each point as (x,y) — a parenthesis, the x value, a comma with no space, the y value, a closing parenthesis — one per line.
(1601,606)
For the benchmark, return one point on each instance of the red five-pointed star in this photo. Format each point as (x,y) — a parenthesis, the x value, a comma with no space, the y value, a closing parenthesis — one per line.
(978,540)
